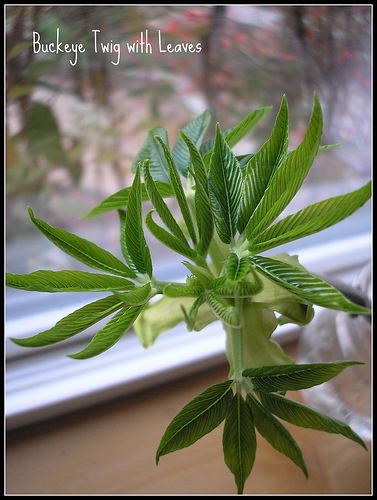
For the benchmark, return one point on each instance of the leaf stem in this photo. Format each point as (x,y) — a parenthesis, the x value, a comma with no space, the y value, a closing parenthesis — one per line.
(236,340)
(237,348)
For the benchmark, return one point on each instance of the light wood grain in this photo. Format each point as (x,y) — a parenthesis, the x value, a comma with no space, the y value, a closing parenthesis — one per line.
(111,450)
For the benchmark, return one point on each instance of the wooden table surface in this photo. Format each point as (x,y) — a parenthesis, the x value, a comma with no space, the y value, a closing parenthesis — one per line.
(110,449)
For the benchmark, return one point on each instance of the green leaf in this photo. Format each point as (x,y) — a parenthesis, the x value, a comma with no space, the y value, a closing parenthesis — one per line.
(312,219)
(181,290)
(138,296)
(110,333)
(236,268)
(275,433)
(192,315)
(288,178)
(243,160)
(196,162)
(168,239)
(306,286)
(160,206)
(223,288)
(73,323)
(322,149)
(225,187)
(195,131)
(304,416)
(67,281)
(82,250)
(134,239)
(235,134)
(293,377)
(242,289)
(249,288)
(123,245)
(201,273)
(231,266)
(239,441)
(204,217)
(199,417)
(262,166)
(218,283)
(243,128)
(151,150)
(227,313)
(119,199)
(178,191)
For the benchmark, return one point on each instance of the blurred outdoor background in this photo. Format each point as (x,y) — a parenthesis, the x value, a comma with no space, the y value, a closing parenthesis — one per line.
(73,131)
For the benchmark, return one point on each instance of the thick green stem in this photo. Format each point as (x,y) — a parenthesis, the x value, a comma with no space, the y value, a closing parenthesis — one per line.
(235,347)
(236,339)
(251,346)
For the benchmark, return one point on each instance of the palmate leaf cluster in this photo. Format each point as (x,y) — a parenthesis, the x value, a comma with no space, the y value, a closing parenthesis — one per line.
(258,411)
(229,206)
